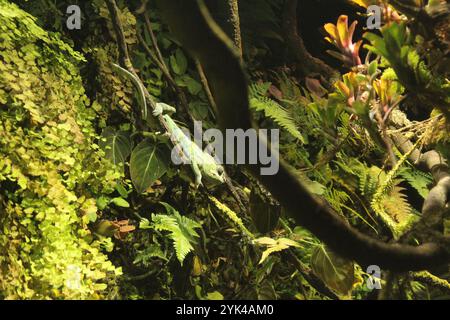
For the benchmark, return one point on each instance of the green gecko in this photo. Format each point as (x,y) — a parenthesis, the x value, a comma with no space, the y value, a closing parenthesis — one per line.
(202,163)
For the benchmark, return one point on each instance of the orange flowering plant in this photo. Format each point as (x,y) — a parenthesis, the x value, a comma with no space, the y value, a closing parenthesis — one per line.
(341,36)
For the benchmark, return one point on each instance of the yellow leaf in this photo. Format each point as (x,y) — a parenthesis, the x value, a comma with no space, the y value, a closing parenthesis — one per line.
(331,29)
(197,267)
(265,241)
(362,3)
(342,29)
(274,246)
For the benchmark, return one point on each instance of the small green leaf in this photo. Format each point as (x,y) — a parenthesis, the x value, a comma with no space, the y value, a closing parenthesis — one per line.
(179,62)
(120,202)
(121,190)
(144,224)
(193,85)
(102,203)
(92,216)
(199,109)
(373,66)
(216,295)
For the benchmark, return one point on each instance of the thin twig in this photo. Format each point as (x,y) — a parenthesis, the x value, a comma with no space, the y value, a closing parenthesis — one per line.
(153,38)
(207,89)
(124,57)
(165,69)
(235,22)
(386,139)
(388,113)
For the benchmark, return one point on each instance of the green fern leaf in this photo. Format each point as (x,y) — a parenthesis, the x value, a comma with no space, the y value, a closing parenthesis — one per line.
(396,205)
(182,230)
(418,180)
(273,110)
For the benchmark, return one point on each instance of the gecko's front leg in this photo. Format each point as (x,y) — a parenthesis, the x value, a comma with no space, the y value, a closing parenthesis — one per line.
(197,173)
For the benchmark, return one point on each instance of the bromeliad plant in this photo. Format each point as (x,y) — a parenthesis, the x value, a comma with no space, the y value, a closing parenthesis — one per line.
(397,47)
(341,36)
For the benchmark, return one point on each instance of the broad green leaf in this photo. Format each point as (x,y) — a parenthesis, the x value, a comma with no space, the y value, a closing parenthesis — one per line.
(116,144)
(336,272)
(146,165)
(179,62)
(267,291)
(373,66)
(193,85)
(199,109)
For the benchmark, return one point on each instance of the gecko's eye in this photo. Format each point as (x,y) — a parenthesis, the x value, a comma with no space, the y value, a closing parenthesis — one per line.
(220,171)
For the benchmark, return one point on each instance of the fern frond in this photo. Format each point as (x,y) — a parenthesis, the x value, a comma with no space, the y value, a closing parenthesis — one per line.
(259,89)
(369,180)
(396,205)
(419,180)
(388,188)
(182,231)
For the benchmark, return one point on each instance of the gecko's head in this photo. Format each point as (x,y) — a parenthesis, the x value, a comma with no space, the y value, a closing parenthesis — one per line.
(214,175)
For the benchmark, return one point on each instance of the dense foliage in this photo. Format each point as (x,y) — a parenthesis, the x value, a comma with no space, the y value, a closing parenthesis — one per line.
(92,208)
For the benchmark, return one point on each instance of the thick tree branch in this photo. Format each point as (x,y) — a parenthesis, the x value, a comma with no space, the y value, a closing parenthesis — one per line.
(306,63)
